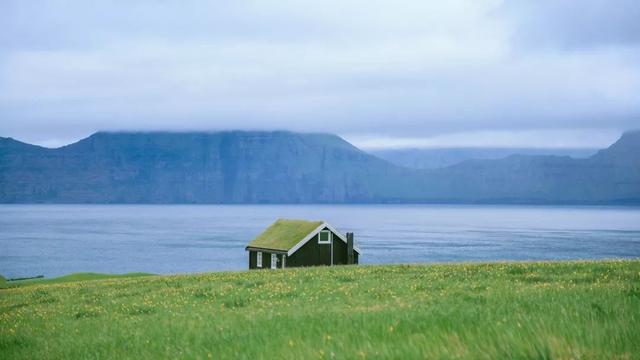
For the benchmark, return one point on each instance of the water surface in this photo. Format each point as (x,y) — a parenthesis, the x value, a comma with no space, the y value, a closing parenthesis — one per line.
(60,239)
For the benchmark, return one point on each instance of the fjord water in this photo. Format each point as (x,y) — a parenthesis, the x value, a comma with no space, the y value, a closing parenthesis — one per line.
(54,240)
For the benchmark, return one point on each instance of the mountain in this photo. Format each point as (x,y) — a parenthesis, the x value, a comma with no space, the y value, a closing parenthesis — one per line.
(286,167)
(611,176)
(435,158)
(221,167)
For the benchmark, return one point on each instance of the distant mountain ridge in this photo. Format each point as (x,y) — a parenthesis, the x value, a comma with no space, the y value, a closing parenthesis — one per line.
(435,158)
(286,167)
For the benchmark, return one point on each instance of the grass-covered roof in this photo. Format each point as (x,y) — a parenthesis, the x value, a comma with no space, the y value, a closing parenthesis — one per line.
(284,234)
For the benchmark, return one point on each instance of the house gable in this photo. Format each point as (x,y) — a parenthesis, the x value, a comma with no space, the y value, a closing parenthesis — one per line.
(314,234)
(316,253)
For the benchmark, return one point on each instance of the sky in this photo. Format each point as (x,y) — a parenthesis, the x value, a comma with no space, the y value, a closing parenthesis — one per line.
(382,74)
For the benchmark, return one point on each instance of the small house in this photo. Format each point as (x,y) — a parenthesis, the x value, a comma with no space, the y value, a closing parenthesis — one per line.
(294,243)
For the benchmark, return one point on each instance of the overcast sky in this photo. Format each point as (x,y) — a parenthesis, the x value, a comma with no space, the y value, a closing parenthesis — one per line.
(542,73)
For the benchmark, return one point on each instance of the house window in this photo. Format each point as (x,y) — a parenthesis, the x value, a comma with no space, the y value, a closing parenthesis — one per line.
(274,261)
(324,237)
(259,258)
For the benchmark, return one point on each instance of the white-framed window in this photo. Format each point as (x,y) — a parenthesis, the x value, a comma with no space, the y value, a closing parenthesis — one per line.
(324,237)
(274,261)
(258,258)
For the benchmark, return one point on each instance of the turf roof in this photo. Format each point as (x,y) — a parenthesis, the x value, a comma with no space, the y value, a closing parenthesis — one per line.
(284,234)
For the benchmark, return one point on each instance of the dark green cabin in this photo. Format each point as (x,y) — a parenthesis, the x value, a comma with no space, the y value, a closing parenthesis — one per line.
(294,243)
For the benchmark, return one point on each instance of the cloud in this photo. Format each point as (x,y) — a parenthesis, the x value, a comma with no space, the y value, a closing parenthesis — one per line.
(574,24)
(556,139)
(363,69)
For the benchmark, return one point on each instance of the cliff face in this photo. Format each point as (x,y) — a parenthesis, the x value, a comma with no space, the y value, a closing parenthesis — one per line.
(224,167)
(284,167)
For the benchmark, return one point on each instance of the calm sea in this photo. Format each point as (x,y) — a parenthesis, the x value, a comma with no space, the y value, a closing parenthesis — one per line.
(60,239)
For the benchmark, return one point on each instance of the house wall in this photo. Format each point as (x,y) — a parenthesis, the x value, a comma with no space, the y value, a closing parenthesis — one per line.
(311,254)
(340,252)
(314,254)
(266,260)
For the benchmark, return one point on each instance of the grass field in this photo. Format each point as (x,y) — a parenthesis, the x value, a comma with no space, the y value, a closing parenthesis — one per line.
(503,310)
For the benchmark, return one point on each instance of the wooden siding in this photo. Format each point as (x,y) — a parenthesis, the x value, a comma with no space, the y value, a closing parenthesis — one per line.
(311,254)
(339,251)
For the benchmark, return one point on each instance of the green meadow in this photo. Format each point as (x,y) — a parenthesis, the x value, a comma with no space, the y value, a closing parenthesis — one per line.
(542,310)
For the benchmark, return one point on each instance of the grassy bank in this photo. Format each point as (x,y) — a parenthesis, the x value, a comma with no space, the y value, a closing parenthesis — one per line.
(67,278)
(522,310)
